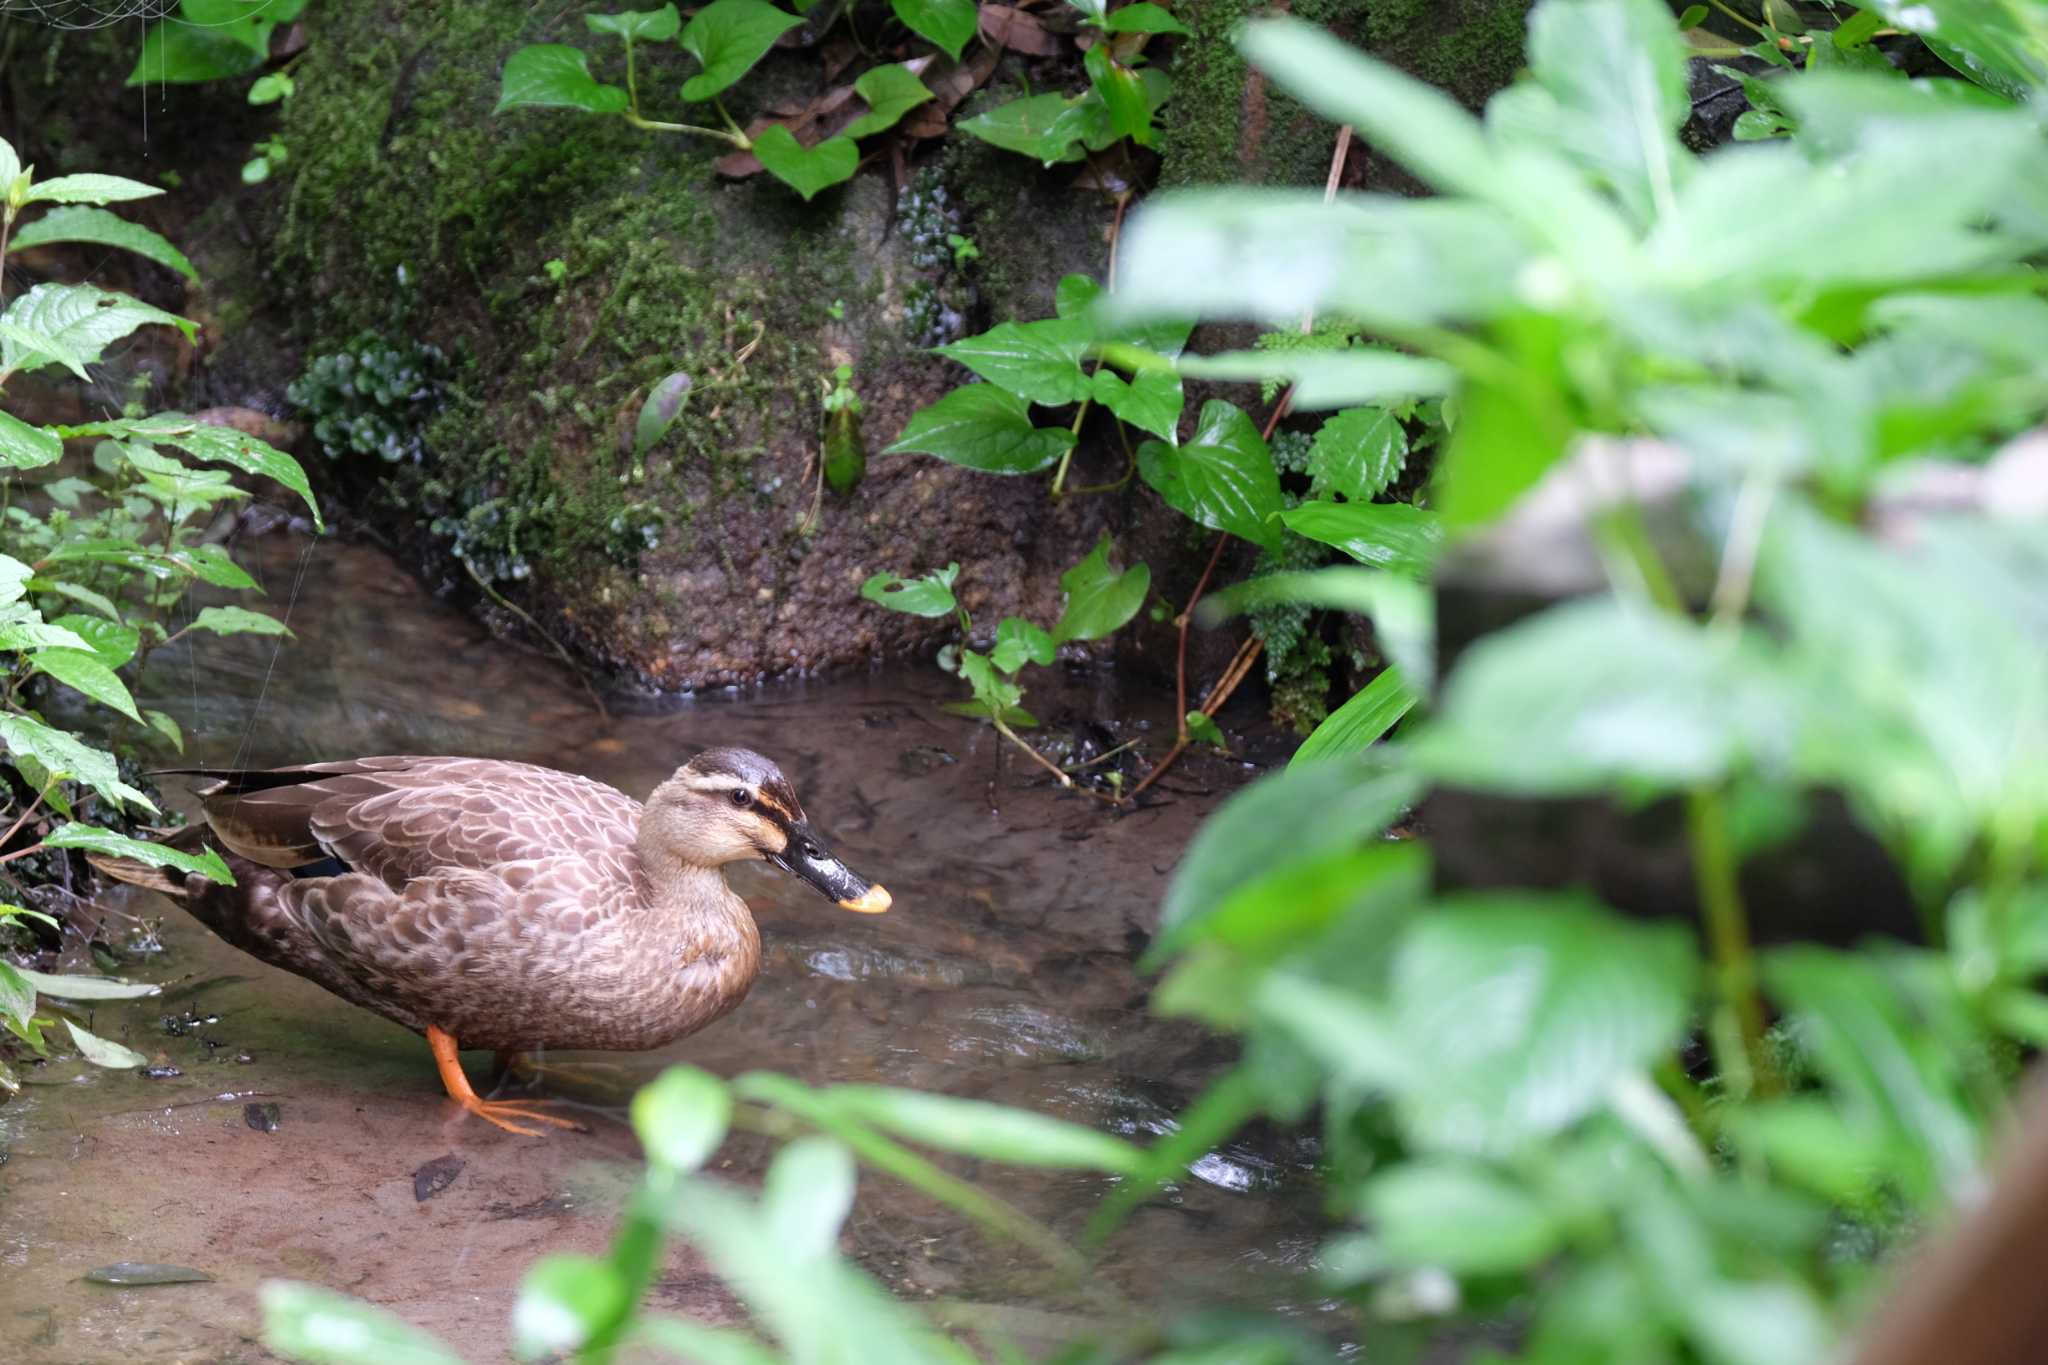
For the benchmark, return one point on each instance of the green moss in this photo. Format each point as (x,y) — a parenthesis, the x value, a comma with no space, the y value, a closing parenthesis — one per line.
(415,211)
(1215,132)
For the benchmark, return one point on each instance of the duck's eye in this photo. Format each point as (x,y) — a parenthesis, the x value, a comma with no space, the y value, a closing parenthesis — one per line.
(742,798)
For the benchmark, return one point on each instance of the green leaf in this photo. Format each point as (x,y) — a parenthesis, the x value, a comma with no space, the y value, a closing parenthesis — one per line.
(659,413)
(237,621)
(985,427)
(1372,886)
(166,727)
(1460,1216)
(215,445)
(1223,477)
(931,595)
(17,997)
(1040,361)
(16,579)
(31,633)
(100,228)
(1996,45)
(682,1117)
(206,863)
(82,670)
(1298,815)
(63,754)
(80,318)
(104,1052)
(1151,399)
(993,1132)
(89,189)
(271,88)
(307,1323)
(1204,730)
(890,92)
(1330,379)
(1520,1012)
(1371,711)
(1387,535)
(1359,453)
(1018,642)
(25,447)
(1144,17)
(806,170)
(87,987)
(1048,128)
(111,642)
(564,1301)
(1099,598)
(557,76)
(728,37)
(1122,93)
(1596,693)
(643,25)
(1074,295)
(948,25)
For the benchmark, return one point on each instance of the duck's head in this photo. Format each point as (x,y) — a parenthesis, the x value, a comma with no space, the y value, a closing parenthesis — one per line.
(726,805)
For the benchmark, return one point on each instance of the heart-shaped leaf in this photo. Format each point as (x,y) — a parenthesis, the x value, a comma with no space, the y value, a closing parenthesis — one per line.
(983,427)
(806,169)
(947,24)
(890,92)
(1223,477)
(645,25)
(1099,597)
(556,76)
(728,37)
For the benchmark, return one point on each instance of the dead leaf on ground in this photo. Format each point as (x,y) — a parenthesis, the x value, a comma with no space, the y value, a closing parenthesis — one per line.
(1010,27)
(954,83)
(809,122)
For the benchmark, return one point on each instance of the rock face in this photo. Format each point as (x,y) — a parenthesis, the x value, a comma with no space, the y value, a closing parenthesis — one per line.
(542,270)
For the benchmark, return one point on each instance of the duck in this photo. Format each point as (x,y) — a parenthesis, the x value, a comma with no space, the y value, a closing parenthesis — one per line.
(484,903)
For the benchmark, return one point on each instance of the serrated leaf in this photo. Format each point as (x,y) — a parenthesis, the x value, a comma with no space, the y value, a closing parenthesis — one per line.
(89,189)
(111,642)
(1359,453)
(983,427)
(100,228)
(58,752)
(729,37)
(1048,128)
(77,592)
(1144,17)
(1223,477)
(104,1052)
(35,634)
(206,863)
(948,25)
(1040,361)
(644,25)
(1387,535)
(556,76)
(81,318)
(81,670)
(1100,599)
(806,170)
(25,447)
(237,621)
(931,595)
(215,445)
(890,92)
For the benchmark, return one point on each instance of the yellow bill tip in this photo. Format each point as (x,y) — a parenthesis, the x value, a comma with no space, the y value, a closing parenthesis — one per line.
(872,901)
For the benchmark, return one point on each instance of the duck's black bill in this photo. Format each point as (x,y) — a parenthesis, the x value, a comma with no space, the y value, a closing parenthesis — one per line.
(804,856)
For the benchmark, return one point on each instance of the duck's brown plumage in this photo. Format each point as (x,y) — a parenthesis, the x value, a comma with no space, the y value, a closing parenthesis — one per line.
(508,905)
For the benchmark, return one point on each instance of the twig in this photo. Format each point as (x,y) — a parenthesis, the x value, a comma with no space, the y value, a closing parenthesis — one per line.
(23,819)
(553,643)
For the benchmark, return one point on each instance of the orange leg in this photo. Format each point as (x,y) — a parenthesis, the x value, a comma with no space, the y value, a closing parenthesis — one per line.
(492,1111)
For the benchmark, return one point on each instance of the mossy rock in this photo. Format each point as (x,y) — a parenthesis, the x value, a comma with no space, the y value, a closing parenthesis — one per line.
(1223,126)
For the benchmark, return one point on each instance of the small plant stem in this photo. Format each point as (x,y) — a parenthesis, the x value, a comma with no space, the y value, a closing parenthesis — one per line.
(735,138)
(1743,20)
(632,90)
(730,122)
(554,644)
(1003,729)
(32,807)
(1738,554)
(1727,923)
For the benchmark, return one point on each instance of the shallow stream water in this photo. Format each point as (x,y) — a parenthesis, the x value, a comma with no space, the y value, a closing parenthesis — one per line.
(1005,972)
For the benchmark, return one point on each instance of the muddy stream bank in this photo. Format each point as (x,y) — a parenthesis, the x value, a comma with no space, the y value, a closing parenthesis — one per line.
(1005,973)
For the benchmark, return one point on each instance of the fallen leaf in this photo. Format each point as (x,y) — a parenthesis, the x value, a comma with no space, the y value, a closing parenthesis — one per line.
(1007,26)
(146,1272)
(436,1176)
(954,83)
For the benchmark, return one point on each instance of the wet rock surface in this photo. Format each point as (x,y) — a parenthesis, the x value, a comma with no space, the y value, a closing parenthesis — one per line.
(1004,973)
